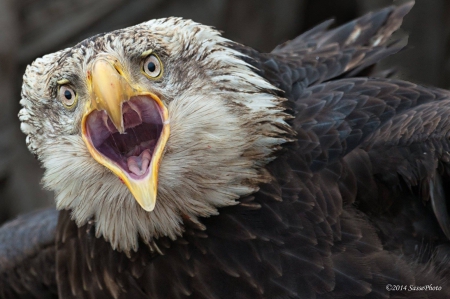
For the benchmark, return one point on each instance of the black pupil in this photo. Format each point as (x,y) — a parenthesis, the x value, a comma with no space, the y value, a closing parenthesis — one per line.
(151,66)
(68,95)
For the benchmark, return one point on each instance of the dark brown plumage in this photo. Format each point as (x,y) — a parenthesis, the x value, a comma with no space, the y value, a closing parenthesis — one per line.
(357,199)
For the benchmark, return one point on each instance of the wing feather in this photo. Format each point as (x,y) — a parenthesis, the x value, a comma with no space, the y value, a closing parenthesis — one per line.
(27,249)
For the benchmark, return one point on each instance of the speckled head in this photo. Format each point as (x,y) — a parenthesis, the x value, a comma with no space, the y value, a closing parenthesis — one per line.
(141,126)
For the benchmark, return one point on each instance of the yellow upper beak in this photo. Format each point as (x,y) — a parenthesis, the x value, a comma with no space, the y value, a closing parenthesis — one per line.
(109,89)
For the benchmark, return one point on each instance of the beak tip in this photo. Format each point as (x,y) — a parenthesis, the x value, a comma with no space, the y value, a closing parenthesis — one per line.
(148,208)
(146,202)
(118,123)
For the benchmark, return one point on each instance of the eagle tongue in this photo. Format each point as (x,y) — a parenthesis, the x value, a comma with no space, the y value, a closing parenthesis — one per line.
(139,164)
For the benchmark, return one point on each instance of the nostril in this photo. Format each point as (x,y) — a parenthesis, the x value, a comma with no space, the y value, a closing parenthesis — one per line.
(118,70)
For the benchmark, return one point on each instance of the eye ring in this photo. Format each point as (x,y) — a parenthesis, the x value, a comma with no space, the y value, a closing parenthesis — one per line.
(67,96)
(152,67)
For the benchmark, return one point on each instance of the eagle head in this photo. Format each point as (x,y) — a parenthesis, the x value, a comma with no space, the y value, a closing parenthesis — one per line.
(139,128)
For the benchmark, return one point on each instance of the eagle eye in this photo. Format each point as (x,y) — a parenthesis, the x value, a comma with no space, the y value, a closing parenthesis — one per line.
(67,96)
(152,67)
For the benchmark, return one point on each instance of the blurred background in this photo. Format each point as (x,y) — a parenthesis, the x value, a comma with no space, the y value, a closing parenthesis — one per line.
(32,28)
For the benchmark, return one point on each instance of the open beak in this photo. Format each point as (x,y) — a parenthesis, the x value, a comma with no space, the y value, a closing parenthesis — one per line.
(125,129)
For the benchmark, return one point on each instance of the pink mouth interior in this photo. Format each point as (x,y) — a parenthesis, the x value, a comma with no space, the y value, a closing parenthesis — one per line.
(133,150)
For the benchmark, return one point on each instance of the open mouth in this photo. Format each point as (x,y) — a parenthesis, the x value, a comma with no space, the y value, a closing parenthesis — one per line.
(132,150)
(125,128)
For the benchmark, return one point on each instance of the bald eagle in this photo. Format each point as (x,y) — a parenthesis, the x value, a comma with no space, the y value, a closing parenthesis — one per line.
(186,165)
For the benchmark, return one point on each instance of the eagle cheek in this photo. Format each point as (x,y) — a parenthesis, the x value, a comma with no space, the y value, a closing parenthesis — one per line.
(125,128)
